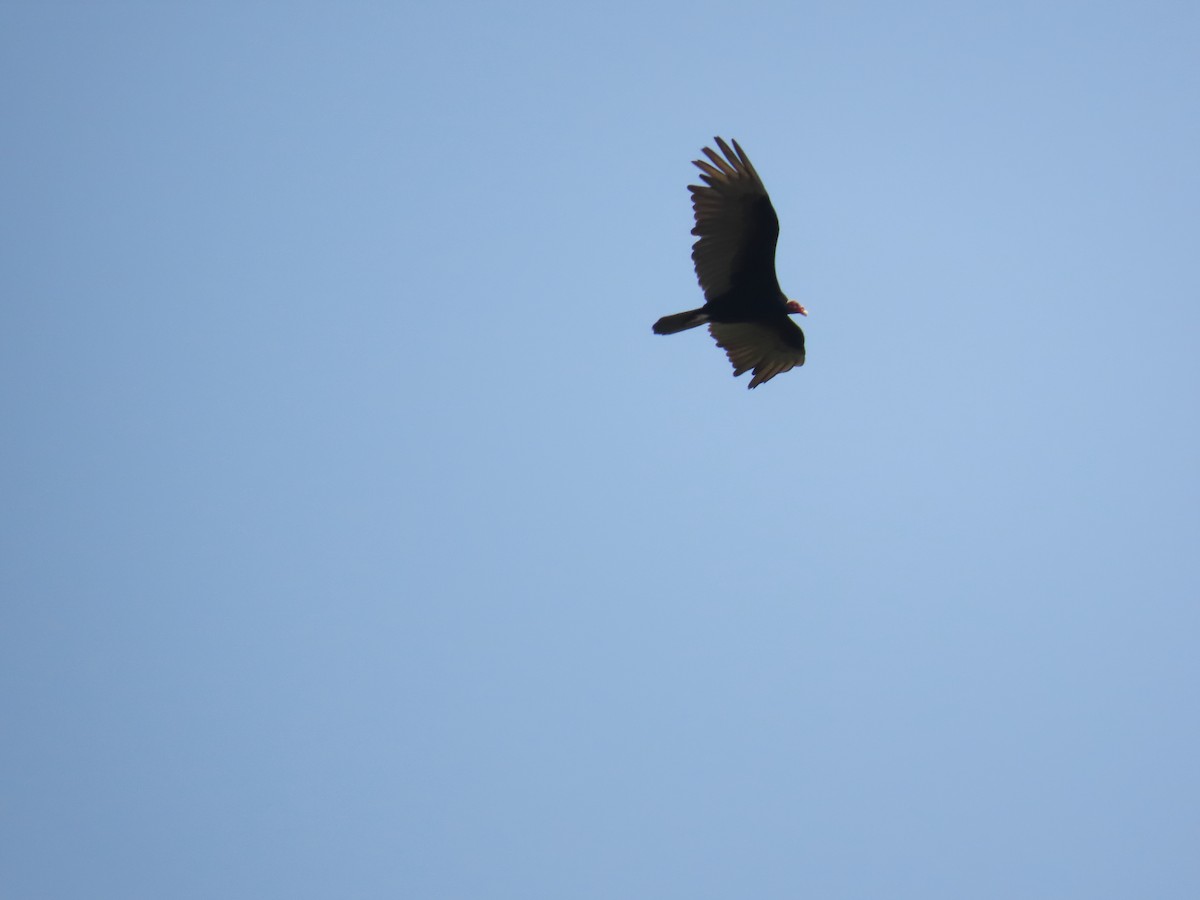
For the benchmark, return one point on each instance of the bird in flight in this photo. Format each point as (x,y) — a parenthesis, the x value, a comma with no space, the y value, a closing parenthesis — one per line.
(744,308)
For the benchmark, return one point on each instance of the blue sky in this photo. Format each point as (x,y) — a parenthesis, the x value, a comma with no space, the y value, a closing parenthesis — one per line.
(360,540)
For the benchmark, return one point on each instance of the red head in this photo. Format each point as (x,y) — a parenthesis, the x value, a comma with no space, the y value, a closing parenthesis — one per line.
(793,307)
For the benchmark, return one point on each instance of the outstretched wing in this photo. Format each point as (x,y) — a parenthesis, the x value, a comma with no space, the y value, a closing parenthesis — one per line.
(736,224)
(768,348)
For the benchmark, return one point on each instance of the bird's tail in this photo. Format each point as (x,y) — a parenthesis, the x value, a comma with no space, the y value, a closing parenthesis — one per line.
(680,321)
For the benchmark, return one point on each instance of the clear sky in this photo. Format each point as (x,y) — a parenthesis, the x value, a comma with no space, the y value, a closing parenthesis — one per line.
(359,540)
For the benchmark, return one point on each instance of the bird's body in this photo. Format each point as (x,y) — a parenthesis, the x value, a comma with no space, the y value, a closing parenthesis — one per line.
(745,310)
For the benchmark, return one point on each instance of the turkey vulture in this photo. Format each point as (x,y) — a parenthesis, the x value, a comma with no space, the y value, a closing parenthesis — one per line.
(744,308)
